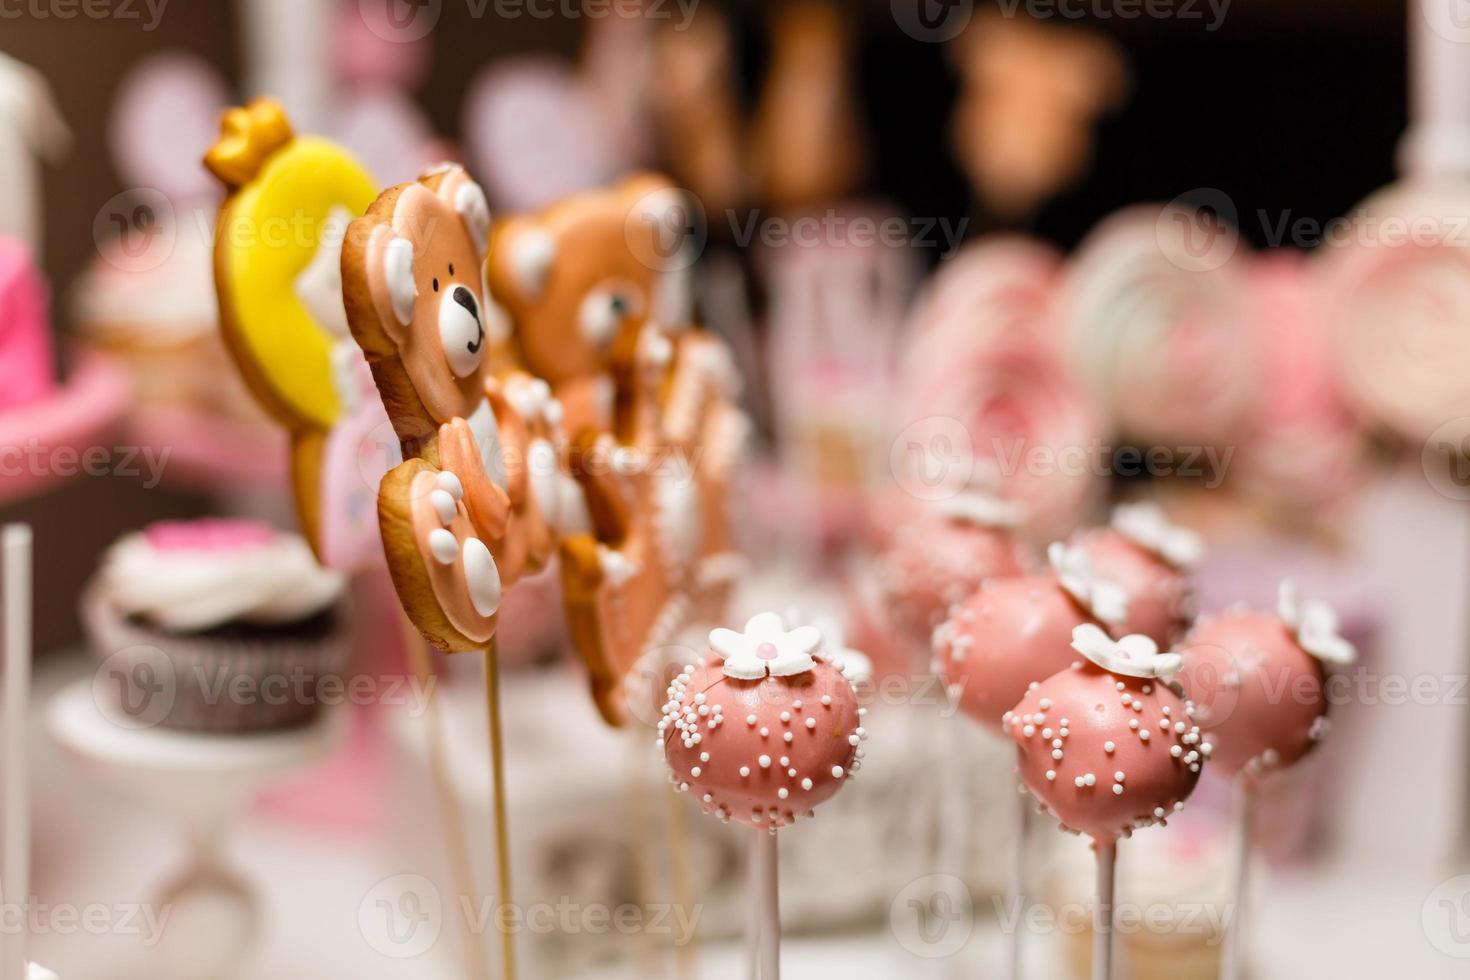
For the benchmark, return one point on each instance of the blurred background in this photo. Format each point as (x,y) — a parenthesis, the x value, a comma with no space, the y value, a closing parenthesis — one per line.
(1209,255)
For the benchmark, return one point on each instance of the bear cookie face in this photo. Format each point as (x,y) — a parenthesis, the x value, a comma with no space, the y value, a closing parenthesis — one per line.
(581,281)
(460,518)
(424,304)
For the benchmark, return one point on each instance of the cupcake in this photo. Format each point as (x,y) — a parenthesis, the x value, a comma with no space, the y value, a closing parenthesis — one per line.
(215,625)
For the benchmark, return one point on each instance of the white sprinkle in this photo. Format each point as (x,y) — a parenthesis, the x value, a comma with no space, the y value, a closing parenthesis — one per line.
(785,717)
(806,784)
(764,761)
(750,720)
(783,792)
(836,772)
(1109,747)
(1118,776)
(744,772)
(826,700)
(704,757)
(1117,789)
(695,772)
(1143,735)
(1056,754)
(811,723)
(1051,774)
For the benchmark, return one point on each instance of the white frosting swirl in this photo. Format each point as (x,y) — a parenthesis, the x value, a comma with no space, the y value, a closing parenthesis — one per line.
(274,580)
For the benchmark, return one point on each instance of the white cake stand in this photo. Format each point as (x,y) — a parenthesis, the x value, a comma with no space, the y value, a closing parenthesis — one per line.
(205,781)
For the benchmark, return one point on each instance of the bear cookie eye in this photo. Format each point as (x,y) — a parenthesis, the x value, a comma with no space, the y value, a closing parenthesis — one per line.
(460,330)
(602,314)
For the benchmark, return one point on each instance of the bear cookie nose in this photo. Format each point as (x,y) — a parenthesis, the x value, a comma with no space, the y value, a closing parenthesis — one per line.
(466,299)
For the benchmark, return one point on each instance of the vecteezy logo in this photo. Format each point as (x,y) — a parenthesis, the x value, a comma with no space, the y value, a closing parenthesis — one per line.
(932,459)
(1445,917)
(1446,459)
(666,229)
(933,916)
(400,21)
(135,230)
(135,688)
(934,21)
(1197,230)
(1450,19)
(402,916)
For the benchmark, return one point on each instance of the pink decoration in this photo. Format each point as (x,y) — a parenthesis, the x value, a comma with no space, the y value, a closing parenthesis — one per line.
(761,752)
(1257,692)
(1160,595)
(212,534)
(1010,634)
(27,373)
(1106,752)
(164,117)
(370,51)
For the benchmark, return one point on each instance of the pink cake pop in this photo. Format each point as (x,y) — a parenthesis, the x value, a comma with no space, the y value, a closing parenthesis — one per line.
(1149,558)
(27,373)
(943,557)
(1258,681)
(765,727)
(1106,745)
(1015,631)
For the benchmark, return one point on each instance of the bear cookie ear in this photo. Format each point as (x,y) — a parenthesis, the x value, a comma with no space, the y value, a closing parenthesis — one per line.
(521,260)
(396,257)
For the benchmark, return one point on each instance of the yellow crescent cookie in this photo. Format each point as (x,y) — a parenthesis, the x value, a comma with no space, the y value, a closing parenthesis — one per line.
(276,258)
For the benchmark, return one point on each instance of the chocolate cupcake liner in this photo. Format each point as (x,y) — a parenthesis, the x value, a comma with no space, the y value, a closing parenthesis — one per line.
(150,677)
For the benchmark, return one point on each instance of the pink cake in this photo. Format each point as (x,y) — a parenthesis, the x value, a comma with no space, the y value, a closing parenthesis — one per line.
(765,727)
(1107,745)
(1016,631)
(1258,680)
(1150,559)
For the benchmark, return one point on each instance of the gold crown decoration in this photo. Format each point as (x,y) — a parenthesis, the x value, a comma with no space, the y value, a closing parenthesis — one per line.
(248,135)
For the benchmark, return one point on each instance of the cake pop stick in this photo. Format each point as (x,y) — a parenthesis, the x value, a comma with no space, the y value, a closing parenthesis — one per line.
(761,730)
(1108,746)
(1235,667)
(1010,634)
(16,543)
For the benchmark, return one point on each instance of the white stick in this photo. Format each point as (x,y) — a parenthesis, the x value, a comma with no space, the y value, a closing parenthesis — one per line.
(1437,143)
(1102,912)
(1018,879)
(764,896)
(1232,956)
(17,814)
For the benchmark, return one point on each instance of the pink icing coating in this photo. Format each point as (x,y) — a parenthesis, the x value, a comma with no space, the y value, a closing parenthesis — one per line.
(1257,693)
(211,534)
(1086,715)
(937,562)
(27,373)
(715,750)
(1160,596)
(1010,634)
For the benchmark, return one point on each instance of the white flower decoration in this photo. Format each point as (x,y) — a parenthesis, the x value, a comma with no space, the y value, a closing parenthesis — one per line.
(855,664)
(1073,569)
(1135,655)
(983,509)
(1315,623)
(1146,526)
(766,647)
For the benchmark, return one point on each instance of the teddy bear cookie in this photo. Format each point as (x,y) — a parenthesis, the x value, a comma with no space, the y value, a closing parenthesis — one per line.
(283,320)
(593,289)
(466,513)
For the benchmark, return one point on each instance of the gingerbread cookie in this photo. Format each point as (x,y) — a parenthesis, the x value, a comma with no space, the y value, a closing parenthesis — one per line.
(466,514)
(277,273)
(589,285)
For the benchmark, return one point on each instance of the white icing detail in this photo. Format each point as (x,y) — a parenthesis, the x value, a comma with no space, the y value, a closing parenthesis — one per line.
(470,202)
(983,509)
(460,332)
(35,971)
(184,590)
(597,320)
(443,502)
(655,348)
(616,568)
(531,257)
(572,507)
(1107,601)
(531,398)
(481,577)
(449,482)
(1146,526)
(1134,655)
(787,652)
(545,485)
(678,520)
(319,285)
(487,439)
(346,360)
(1316,625)
(398,274)
(855,665)
(443,546)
